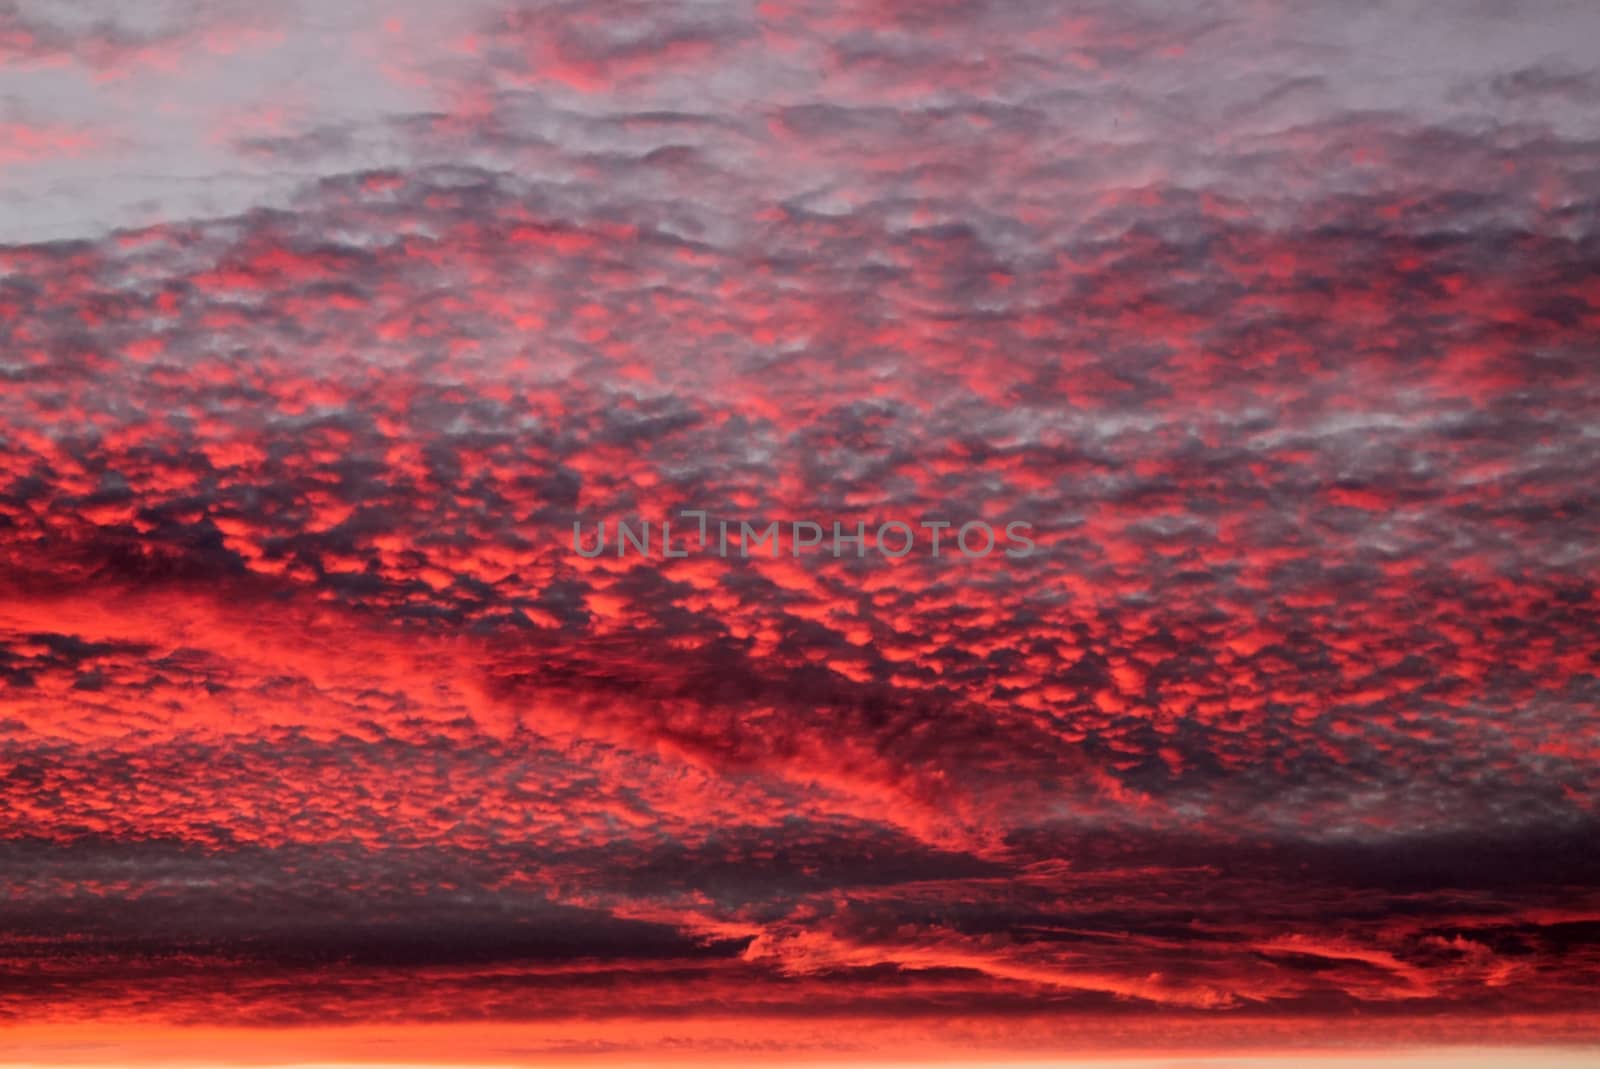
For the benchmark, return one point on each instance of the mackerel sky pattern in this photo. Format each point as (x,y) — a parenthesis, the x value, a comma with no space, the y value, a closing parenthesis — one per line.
(321,325)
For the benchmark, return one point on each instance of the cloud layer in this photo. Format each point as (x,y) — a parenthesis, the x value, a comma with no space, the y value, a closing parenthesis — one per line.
(310,714)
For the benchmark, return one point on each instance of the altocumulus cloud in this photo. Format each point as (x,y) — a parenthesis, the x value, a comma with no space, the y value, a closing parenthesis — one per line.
(1274,322)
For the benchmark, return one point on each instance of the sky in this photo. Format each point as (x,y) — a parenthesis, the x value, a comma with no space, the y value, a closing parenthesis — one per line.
(1271,323)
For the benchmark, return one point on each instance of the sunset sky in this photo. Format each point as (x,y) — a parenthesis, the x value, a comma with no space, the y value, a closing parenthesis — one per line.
(1274,321)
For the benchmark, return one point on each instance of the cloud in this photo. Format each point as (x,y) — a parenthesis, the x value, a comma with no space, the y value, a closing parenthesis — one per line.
(311,714)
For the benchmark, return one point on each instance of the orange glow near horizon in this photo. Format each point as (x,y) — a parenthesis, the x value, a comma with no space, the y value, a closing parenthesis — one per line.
(202,1049)
(726,1043)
